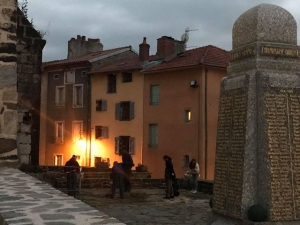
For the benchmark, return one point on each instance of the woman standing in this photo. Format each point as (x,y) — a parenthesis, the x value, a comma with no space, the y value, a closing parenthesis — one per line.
(194,171)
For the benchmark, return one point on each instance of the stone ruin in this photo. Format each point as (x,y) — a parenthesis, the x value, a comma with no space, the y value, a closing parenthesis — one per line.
(20,66)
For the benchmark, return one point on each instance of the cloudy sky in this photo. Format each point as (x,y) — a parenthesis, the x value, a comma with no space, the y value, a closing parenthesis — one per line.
(125,22)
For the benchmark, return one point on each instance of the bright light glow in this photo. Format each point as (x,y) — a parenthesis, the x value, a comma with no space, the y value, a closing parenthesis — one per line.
(81,144)
(189,115)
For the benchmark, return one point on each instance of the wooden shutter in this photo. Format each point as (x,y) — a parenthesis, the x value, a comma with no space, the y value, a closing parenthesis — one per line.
(118,107)
(97,132)
(131,145)
(117,145)
(104,105)
(104,132)
(131,110)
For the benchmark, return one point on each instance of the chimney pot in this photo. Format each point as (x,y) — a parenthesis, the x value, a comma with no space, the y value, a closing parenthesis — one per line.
(144,51)
(83,38)
(78,37)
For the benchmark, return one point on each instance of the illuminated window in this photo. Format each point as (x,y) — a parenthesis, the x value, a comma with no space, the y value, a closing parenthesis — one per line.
(153,135)
(124,143)
(60,96)
(77,128)
(154,95)
(58,160)
(59,132)
(187,115)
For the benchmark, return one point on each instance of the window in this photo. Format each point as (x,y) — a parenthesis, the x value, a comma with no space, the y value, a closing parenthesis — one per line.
(111,83)
(124,142)
(69,77)
(78,95)
(55,77)
(153,135)
(58,160)
(60,96)
(154,95)
(101,132)
(101,105)
(59,132)
(83,74)
(125,111)
(187,116)
(127,77)
(77,129)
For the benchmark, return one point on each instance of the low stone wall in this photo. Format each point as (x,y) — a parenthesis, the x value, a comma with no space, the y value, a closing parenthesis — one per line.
(26,200)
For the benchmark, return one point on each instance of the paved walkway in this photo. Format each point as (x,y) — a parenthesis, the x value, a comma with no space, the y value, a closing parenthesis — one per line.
(146,206)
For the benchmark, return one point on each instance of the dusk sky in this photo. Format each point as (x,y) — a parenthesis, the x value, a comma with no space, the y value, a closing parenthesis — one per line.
(125,22)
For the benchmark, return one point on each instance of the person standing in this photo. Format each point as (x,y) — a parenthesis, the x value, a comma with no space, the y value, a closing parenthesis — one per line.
(72,168)
(169,176)
(127,164)
(194,171)
(118,179)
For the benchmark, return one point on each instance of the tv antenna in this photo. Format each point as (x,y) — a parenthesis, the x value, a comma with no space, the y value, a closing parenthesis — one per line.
(185,37)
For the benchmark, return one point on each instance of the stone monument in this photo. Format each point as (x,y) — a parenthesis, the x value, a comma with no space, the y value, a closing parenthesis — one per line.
(258,140)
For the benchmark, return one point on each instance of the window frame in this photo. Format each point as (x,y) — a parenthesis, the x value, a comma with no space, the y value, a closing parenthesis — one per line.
(57,96)
(119,111)
(101,105)
(101,132)
(56,159)
(187,115)
(59,140)
(111,83)
(76,137)
(75,95)
(66,73)
(119,145)
(152,96)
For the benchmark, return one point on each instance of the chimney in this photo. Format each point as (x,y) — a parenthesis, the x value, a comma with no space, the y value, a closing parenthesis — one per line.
(168,46)
(144,51)
(81,46)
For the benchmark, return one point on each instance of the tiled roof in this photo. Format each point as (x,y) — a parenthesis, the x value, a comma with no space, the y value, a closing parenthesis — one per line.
(207,55)
(121,65)
(83,58)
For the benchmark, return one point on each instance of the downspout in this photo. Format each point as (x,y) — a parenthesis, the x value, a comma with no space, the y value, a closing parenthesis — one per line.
(205,123)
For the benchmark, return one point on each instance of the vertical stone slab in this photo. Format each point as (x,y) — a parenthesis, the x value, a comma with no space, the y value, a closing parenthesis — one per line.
(258,141)
(8,76)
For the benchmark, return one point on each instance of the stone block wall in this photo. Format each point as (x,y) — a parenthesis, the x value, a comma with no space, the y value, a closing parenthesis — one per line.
(20,65)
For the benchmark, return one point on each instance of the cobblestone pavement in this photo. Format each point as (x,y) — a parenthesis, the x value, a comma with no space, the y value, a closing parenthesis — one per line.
(146,206)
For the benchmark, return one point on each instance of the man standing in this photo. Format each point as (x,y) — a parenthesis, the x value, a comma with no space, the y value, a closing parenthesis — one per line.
(127,164)
(169,176)
(72,168)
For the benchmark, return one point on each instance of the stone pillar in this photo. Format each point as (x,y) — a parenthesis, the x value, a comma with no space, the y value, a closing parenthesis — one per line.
(258,141)
(8,76)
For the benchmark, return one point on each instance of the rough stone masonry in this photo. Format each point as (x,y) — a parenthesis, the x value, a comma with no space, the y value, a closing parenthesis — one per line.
(20,62)
(258,141)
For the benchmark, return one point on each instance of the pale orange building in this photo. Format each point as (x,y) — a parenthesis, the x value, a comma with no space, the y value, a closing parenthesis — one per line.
(181,98)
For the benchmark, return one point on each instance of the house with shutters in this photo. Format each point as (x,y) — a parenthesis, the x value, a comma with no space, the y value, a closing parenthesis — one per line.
(65,101)
(117,107)
(180,112)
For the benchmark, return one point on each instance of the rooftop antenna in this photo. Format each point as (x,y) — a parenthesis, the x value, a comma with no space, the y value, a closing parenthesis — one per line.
(185,37)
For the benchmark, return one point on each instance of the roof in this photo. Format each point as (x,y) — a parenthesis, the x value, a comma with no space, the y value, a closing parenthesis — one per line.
(207,55)
(85,58)
(121,65)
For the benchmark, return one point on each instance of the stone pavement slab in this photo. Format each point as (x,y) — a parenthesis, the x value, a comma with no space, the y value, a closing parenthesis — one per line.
(146,206)
(24,200)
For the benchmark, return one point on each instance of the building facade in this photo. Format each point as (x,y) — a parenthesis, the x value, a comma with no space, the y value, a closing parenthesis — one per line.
(66,105)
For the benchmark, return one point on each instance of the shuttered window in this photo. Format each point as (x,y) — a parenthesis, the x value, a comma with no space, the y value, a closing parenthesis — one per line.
(101,105)
(124,111)
(153,135)
(125,142)
(101,132)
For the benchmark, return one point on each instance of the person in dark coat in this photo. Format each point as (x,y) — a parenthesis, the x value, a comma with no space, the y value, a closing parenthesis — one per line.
(169,176)
(72,168)
(127,164)
(118,179)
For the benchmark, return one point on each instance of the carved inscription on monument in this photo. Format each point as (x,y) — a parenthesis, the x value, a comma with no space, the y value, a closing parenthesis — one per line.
(279,51)
(244,53)
(230,153)
(283,122)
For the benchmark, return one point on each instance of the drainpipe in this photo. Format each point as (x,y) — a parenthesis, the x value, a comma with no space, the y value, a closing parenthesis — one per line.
(205,124)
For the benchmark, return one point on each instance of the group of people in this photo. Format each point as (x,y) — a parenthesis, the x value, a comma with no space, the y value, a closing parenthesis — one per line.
(170,176)
(121,173)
